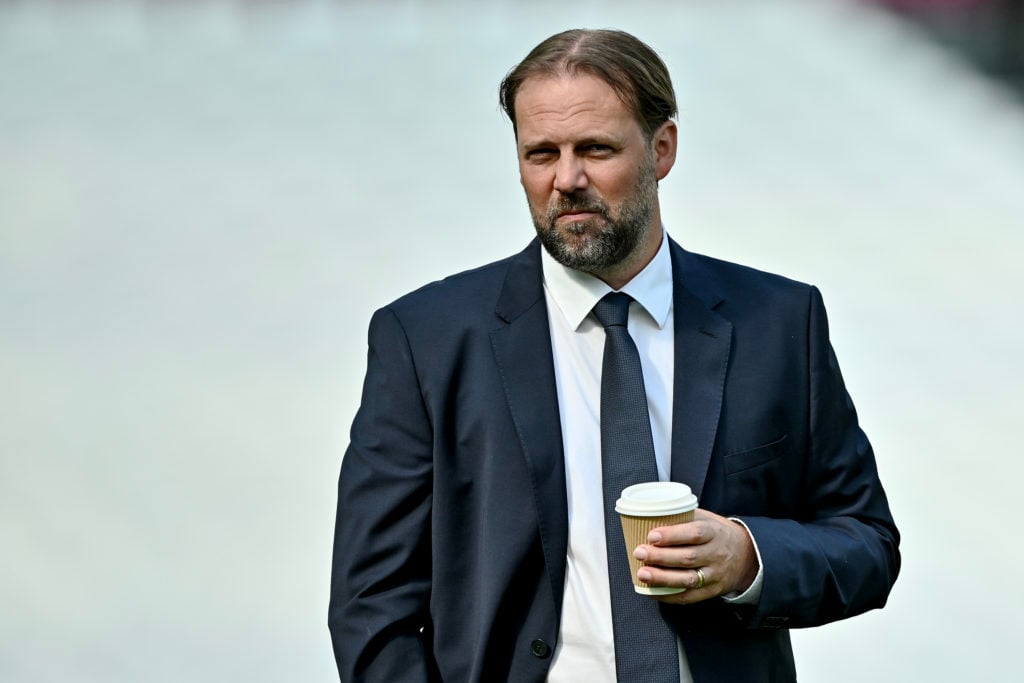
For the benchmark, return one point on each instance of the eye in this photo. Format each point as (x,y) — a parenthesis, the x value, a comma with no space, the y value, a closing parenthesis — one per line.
(541,154)
(598,149)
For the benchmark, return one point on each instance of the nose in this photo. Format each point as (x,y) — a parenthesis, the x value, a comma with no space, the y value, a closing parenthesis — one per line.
(570,175)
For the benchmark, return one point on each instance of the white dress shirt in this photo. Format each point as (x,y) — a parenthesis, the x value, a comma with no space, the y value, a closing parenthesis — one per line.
(586,649)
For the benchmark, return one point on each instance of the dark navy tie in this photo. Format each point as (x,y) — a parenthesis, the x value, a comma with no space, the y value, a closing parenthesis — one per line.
(645,645)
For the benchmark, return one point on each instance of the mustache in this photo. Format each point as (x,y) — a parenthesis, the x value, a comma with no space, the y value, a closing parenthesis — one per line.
(576,204)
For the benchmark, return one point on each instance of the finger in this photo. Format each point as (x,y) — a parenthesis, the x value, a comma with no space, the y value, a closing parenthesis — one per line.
(689,595)
(690,579)
(705,527)
(685,556)
(690,533)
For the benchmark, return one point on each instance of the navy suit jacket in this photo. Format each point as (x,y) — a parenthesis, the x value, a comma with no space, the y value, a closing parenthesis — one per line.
(450,544)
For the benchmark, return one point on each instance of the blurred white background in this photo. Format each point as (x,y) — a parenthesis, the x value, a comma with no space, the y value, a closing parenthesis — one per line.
(201,203)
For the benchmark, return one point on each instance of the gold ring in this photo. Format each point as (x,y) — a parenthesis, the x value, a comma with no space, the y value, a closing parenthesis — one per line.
(700,579)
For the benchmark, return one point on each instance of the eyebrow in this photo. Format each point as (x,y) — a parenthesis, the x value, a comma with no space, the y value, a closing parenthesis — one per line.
(540,143)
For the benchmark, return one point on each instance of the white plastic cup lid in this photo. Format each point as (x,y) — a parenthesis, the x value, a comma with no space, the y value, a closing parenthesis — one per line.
(656,499)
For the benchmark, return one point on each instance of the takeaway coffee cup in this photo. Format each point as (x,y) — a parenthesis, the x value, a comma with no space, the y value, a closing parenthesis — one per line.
(643,507)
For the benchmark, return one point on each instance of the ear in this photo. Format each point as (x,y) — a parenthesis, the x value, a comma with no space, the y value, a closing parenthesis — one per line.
(663,143)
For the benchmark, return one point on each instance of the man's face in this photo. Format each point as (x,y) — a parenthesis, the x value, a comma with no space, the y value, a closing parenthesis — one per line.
(589,172)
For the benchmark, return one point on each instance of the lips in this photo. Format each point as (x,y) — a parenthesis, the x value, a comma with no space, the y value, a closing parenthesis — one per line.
(570,210)
(576,215)
(577,212)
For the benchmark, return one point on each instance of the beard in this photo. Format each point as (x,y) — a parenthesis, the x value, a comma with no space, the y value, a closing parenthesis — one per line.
(608,240)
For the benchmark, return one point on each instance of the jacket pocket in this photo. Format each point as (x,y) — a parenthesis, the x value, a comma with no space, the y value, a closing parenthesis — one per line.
(741,461)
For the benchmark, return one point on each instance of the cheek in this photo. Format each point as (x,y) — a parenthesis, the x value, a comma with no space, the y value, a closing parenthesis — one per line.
(612,184)
(536,186)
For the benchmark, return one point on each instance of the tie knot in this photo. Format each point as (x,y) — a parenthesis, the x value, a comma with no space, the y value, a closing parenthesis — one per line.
(613,309)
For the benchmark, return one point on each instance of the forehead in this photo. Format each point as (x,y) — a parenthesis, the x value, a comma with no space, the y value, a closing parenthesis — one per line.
(570,106)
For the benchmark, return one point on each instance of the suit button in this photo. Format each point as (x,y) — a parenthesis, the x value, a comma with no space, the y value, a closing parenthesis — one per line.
(775,622)
(539,648)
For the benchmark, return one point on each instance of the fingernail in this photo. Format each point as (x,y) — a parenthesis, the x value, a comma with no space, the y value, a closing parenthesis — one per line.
(640,553)
(643,575)
(654,537)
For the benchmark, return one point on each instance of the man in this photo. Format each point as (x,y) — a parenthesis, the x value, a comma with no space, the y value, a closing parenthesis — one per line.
(504,408)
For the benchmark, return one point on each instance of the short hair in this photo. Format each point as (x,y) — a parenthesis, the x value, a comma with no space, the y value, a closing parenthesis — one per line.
(633,70)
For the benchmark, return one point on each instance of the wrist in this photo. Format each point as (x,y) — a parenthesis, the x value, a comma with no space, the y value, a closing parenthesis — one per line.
(748,560)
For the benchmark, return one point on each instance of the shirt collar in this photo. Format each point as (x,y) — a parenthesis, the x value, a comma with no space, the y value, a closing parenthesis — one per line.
(576,292)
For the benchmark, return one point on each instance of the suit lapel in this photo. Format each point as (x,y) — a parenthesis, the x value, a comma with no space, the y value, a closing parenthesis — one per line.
(522,349)
(702,343)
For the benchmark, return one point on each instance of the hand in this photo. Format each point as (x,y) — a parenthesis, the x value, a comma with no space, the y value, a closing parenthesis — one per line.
(719,547)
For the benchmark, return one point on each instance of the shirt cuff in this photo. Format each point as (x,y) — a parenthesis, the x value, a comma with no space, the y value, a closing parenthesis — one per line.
(753,594)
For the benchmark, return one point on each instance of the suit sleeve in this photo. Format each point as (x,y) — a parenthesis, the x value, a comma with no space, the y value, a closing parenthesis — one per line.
(380,578)
(840,556)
